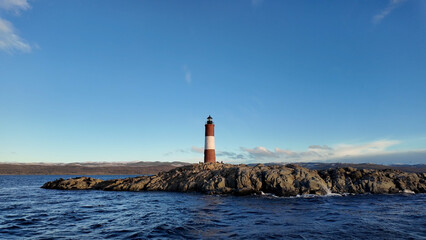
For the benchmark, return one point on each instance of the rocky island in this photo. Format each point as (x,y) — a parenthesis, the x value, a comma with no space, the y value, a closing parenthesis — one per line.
(287,180)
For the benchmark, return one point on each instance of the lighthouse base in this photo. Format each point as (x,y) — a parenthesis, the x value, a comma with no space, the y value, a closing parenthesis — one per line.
(209,156)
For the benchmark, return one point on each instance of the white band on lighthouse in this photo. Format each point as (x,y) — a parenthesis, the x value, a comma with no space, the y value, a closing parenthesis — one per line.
(209,142)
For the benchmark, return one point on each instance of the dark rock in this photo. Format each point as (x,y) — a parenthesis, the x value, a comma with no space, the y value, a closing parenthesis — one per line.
(289,180)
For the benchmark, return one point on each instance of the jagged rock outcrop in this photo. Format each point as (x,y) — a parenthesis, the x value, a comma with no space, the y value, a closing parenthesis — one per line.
(351,180)
(289,180)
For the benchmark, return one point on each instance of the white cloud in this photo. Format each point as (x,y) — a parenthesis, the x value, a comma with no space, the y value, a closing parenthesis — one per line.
(10,41)
(389,8)
(260,152)
(287,152)
(188,75)
(391,157)
(376,147)
(371,152)
(14,5)
(322,153)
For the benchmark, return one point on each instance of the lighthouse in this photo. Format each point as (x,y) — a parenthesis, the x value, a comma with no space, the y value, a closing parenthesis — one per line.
(209,153)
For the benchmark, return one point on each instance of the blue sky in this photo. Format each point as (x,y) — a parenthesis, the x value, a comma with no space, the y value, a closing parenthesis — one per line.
(284,80)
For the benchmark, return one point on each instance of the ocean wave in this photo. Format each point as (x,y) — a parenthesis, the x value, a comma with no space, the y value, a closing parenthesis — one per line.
(35,213)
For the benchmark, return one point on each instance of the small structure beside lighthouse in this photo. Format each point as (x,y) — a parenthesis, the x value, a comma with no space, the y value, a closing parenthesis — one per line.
(209,153)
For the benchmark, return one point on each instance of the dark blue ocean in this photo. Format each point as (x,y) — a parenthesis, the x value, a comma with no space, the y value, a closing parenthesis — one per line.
(29,212)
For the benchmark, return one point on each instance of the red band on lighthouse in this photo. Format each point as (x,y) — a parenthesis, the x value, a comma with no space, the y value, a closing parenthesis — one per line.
(209,152)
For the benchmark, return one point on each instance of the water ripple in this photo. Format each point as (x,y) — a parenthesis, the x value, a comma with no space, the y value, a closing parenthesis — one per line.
(26,211)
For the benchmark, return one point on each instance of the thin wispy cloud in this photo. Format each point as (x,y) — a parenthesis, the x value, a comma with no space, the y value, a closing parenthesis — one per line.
(177,151)
(225,154)
(256,3)
(392,5)
(15,6)
(188,75)
(231,155)
(193,149)
(197,149)
(10,41)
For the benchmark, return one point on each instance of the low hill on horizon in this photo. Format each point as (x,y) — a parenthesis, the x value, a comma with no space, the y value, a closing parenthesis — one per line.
(416,168)
(150,168)
(88,168)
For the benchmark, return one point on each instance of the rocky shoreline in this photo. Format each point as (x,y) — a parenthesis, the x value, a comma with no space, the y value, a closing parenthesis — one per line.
(288,180)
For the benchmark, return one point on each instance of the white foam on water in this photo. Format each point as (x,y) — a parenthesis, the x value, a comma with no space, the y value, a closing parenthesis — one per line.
(329,194)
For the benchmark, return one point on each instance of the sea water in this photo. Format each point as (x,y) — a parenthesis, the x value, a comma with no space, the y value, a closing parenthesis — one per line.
(29,212)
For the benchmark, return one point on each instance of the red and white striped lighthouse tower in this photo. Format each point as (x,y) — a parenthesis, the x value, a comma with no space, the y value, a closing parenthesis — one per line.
(209,153)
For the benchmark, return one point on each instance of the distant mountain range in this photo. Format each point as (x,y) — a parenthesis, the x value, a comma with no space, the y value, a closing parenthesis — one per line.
(418,168)
(148,168)
(88,168)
